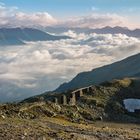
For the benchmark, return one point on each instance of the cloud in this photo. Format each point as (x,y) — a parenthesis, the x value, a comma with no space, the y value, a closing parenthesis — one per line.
(40,66)
(95,21)
(13,17)
(93,8)
(2,4)
(35,19)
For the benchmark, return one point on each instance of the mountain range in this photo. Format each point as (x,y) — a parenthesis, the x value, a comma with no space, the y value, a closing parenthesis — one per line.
(18,36)
(104,30)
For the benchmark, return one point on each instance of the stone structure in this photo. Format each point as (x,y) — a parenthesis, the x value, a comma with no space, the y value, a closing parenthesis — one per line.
(78,94)
(56,100)
(63,100)
(73,97)
(72,100)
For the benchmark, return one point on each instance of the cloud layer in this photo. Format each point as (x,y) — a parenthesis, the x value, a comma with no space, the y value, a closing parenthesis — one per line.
(39,66)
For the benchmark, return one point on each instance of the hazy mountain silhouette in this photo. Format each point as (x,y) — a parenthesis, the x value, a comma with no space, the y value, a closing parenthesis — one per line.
(18,36)
(105,30)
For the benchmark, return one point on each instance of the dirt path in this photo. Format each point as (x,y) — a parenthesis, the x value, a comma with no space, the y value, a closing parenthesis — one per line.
(102,133)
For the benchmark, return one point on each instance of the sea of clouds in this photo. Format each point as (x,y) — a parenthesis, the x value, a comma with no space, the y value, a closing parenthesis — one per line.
(41,66)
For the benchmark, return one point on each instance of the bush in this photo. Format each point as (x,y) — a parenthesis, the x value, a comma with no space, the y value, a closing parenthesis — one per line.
(117,107)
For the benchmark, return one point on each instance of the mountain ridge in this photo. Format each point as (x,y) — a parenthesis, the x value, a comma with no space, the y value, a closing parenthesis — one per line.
(18,36)
(103,30)
(118,69)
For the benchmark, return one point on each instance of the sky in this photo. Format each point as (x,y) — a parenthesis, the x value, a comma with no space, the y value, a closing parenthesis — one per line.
(64,9)
(77,6)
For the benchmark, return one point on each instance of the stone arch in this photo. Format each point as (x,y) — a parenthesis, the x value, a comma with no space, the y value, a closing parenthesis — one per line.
(72,99)
(63,100)
(78,94)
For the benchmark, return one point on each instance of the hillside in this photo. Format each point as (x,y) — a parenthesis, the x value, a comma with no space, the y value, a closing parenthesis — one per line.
(106,98)
(98,113)
(17,36)
(128,67)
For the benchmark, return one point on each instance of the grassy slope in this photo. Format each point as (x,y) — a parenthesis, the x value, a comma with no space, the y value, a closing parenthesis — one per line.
(128,67)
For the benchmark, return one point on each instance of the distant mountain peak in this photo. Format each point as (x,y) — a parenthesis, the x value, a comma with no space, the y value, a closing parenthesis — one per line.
(17,36)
